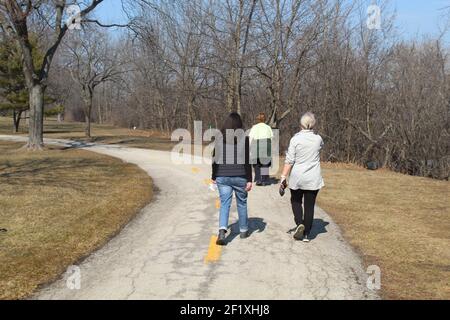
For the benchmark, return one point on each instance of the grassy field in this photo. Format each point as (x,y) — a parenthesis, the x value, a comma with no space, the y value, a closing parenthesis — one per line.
(56,207)
(100,134)
(400,223)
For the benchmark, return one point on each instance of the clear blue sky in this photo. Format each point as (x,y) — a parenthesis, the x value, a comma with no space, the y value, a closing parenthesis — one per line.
(420,17)
(414,17)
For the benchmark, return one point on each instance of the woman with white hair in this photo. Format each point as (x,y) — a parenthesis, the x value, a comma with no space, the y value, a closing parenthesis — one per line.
(305,181)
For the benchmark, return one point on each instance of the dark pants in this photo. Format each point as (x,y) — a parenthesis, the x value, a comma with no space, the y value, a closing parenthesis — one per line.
(309,197)
(261,177)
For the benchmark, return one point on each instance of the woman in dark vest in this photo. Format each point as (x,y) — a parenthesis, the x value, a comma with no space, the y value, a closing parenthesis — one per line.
(232,172)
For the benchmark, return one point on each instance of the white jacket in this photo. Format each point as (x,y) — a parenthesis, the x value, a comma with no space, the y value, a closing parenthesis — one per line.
(304,155)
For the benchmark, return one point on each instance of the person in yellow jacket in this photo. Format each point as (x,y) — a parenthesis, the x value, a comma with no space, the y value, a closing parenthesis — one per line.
(261,144)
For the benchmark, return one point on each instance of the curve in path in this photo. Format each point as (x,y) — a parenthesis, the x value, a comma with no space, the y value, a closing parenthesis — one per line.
(161,253)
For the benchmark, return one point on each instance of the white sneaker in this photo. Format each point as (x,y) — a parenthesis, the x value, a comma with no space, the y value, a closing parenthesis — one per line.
(299,232)
(305,238)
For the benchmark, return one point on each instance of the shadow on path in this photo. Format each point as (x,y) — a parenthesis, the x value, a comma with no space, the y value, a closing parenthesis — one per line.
(254,224)
(78,144)
(318,227)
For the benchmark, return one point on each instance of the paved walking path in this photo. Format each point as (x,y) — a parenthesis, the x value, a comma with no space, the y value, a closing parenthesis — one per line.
(165,252)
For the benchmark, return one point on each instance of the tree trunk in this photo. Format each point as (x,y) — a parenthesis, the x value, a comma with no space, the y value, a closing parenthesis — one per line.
(387,155)
(229,90)
(99,113)
(87,117)
(36,134)
(17,118)
(17,115)
(273,121)
(189,116)
(87,114)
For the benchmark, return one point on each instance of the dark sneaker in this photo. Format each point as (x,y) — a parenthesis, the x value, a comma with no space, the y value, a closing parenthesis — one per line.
(305,238)
(298,235)
(221,238)
(258,183)
(244,234)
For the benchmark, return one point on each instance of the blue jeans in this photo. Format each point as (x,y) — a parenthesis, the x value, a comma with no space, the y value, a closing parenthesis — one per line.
(226,185)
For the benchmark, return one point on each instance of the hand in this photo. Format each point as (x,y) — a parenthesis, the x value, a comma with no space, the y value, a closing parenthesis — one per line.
(213,181)
(249,186)
(282,179)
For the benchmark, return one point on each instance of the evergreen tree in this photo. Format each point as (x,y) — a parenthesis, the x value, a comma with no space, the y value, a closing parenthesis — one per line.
(13,87)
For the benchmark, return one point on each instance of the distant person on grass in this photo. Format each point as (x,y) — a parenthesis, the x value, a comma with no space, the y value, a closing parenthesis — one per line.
(305,181)
(261,149)
(232,172)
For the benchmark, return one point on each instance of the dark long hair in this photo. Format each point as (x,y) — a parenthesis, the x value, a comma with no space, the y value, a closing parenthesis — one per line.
(233,121)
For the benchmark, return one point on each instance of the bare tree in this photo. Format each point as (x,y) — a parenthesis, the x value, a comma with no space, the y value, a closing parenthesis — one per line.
(91,62)
(16,17)
(231,36)
(288,31)
(378,99)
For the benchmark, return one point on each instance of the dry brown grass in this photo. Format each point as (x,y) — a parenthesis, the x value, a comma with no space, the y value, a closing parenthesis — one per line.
(58,206)
(399,222)
(106,134)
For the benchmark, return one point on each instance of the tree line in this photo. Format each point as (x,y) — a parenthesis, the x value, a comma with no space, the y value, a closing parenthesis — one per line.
(378,98)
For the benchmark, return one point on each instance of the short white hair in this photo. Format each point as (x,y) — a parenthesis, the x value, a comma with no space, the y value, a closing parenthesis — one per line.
(308,121)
